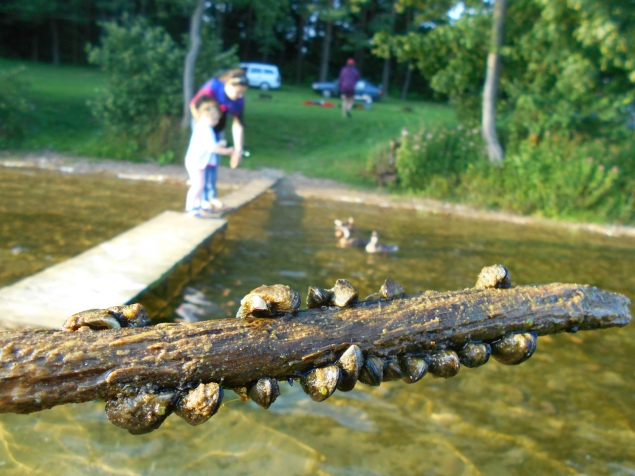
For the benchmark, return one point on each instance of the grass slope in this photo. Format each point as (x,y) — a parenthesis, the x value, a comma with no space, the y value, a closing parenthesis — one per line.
(281,132)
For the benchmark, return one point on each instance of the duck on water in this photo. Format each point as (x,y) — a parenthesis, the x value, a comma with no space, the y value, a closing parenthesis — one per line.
(374,247)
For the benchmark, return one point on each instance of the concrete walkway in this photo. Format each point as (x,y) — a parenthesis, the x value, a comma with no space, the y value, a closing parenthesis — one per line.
(119,270)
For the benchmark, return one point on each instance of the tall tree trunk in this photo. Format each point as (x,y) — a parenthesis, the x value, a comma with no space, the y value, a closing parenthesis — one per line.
(55,43)
(190,61)
(359,53)
(299,41)
(89,20)
(74,42)
(385,76)
(494,149)
(406,82)
(34,47)
(249,30)
(326,51)
(220,24)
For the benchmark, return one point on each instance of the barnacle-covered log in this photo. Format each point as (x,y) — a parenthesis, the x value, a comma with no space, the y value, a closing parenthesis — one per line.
(43,368)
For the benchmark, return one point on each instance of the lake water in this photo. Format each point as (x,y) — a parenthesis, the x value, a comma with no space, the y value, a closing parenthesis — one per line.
(47,217)
(570,409)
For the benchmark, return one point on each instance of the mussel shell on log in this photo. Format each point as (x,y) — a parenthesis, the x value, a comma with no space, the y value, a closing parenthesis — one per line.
(392,371)
(391,290)
(514,349)
(444,364)
(319,384)
(350,364)
(200,404)
(317,297)
(414,368)
(496,276)
(372,373)
(474,355)
(264,392)
(140,413)
(344,293)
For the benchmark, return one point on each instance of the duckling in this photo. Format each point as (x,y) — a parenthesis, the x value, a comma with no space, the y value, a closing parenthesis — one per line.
(374,247)
(339,224)
(346,241)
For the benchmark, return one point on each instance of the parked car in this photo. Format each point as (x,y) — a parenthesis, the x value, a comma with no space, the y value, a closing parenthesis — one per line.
(364,90)
(261,75)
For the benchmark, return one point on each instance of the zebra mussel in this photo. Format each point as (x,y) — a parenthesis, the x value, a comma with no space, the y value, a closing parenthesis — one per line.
(264,392)
(341,295)
(269,301)
(115,317)
(200,404)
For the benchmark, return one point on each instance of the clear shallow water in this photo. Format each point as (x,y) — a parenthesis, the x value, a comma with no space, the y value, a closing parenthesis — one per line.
(569,410)
(47,217)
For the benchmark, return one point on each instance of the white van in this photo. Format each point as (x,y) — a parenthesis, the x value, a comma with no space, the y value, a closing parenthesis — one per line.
(263,76)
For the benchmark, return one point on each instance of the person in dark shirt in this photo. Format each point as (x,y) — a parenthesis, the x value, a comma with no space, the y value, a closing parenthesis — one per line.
(349,75)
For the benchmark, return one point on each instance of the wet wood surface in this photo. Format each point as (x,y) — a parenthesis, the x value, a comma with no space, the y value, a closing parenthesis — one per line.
(42,368)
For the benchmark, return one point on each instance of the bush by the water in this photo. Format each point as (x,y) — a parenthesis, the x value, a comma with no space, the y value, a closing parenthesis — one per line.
(555,176)
(14,107)
(143,100)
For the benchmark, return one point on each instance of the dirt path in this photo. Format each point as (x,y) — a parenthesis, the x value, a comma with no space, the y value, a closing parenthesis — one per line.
(305,187)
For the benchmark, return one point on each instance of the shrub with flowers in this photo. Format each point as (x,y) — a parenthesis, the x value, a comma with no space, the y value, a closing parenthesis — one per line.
(434,160)
(551,176)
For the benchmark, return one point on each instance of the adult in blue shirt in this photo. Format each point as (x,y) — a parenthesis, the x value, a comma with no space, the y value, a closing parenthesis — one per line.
(228,91)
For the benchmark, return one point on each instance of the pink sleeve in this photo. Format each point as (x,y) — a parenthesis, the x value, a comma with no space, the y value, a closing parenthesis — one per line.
(206,89)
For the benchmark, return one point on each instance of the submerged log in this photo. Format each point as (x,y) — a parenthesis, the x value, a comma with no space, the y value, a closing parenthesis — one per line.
(41,368)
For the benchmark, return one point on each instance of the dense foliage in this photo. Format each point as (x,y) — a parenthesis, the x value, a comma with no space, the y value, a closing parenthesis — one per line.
(14,107)
(557,177)
(565,108)
(144,70)
(289,33)
(211,59)
(142,101)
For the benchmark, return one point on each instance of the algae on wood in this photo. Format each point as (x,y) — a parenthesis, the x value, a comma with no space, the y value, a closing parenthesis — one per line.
(40,369)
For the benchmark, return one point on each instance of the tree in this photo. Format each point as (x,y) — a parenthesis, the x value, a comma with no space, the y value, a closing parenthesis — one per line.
(268,13)
(494,149)
(566,64)
(190,60)
(300,11)
(388,44)
(49,12)
(326,13)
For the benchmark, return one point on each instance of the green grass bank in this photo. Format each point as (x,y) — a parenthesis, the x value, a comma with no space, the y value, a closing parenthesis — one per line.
(281,132)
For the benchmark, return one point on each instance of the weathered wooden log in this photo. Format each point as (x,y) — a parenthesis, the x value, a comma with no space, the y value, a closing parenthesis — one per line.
(43,368)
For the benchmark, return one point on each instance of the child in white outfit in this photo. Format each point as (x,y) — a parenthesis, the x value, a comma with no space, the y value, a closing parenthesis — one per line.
(202,153)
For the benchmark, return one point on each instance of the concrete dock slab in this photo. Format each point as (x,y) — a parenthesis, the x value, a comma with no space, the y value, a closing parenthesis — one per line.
(112,273)
(120,270)
(246,194)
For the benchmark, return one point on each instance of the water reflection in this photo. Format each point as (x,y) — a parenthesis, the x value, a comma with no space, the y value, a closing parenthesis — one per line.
(568,410)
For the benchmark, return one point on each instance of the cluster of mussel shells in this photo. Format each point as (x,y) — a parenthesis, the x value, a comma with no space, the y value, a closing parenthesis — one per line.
(355,365)
(144,409)
(279,299)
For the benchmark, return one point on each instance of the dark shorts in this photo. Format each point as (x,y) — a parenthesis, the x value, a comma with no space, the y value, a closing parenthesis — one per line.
(348,92)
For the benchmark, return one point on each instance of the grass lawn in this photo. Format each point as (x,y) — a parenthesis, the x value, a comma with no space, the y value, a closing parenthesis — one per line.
(281,132)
